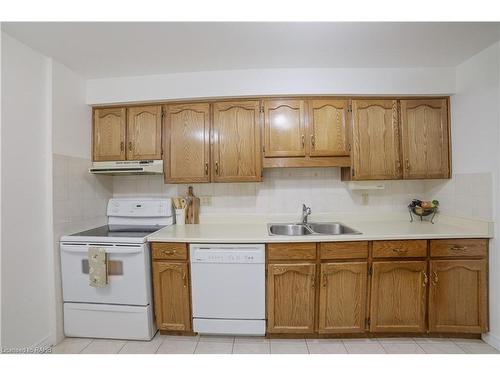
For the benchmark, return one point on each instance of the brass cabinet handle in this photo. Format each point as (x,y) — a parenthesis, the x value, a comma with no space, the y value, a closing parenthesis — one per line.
(398,165)
(324,280)
(313,141)
(217,168)
(435,279)
(206,169)
(407,164)
(313,284)
(426,278)
(399,251)
(169,252)
(303,140)
(122,146)
(184,279)
(458,248)
(130,146)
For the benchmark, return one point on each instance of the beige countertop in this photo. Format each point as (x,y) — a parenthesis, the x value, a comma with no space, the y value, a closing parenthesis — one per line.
(238,229)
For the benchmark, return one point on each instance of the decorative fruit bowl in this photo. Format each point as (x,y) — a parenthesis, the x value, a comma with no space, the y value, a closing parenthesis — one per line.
(423,208)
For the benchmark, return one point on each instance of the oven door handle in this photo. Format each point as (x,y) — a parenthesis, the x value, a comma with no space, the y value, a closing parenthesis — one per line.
(109,250)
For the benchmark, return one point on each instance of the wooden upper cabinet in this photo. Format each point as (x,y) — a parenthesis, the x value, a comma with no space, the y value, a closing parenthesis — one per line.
(109,134)
(425,138)
(458,296)
(398,296)
(342,298)
(171,296)
(187,143)
(327,128)
(291,297)
(375,152)
(284,128)
(237,148)
(144,133)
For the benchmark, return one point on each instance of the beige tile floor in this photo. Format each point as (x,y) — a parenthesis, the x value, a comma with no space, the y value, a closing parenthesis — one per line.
(162,344)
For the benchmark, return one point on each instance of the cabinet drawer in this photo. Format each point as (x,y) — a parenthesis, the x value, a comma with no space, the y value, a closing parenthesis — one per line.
(344,250)
(291,251)
(169,250)
(459,248)
(397,249)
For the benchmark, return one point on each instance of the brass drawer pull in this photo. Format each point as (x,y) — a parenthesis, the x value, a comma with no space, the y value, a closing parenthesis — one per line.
(169,252)
(458,248)
(400,251)
(206,169)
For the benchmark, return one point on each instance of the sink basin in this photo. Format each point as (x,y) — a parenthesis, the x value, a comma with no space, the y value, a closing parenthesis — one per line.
(289,230)
(332,228)
(309,229)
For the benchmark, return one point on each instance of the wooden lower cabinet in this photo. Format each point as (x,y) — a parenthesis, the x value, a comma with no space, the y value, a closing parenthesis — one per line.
(458,296)
(342,297)
(291,297)
(398,296)
(171,295)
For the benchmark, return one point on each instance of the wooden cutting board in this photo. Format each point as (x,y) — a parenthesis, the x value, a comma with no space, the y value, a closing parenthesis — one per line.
(193,208)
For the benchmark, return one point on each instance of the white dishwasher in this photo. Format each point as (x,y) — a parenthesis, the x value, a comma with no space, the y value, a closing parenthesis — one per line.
(228,289)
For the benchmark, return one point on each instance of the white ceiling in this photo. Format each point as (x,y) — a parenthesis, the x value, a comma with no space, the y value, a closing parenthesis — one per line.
(96,50)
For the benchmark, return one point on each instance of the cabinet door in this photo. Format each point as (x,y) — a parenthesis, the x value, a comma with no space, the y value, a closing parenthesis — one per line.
(171,292)
(237,149)
(109,134)
(425,138)
(458,296)
(144,133)
(290,297)
(342,297)
(328,127)
(284,128)
(398,297)
(187,143)
(375,154)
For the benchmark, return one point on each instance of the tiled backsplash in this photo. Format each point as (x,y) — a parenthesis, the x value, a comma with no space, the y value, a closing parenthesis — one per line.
(284,191)
(468,195)
(79,203)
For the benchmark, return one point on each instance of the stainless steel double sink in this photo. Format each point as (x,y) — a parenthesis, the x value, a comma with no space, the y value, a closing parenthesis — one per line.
(308,229)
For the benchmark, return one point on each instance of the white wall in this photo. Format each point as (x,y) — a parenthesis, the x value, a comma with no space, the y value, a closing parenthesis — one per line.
(71,116)
(271,82)
(26,222)
(476,148)
(79,198)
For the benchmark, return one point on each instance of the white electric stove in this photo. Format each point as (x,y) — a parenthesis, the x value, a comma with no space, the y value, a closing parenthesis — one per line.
(121,309)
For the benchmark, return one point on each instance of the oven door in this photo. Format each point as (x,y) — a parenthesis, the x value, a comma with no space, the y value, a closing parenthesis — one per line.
(129,274)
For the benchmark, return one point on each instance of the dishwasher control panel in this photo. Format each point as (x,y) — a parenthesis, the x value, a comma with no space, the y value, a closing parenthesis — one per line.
(203,253)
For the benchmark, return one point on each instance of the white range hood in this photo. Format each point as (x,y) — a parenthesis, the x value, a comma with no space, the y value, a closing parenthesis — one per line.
(127,167)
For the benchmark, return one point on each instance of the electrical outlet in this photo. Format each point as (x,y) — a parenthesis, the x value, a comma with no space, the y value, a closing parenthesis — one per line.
(205,201)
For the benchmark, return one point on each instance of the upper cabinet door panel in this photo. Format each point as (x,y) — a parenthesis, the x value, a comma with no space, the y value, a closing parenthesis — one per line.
(237,145)
(328,127)
(187,143)
(144,133)
(284,128)
(425,138)
(109,134)
(375,154)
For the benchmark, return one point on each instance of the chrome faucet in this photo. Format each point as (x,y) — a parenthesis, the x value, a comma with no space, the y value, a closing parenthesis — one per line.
(306,211)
